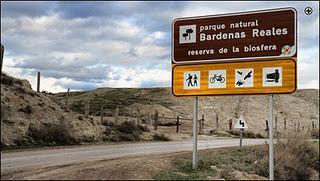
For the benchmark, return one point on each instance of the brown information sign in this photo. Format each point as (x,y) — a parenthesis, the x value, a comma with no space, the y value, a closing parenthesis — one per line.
(235,37)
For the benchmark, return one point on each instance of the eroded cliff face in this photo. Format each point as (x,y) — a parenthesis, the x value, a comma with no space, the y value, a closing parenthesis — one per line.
(28,117)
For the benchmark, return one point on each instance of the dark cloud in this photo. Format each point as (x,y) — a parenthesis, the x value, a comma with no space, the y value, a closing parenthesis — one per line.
(83,41)
(24,8)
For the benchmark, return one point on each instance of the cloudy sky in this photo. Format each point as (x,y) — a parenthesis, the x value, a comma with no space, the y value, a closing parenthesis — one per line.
(86,45)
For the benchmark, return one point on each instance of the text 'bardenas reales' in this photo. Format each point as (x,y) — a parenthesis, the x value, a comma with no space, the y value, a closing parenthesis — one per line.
(255,32)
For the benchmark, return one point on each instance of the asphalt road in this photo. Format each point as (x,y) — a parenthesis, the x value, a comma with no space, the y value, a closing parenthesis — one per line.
(11,161)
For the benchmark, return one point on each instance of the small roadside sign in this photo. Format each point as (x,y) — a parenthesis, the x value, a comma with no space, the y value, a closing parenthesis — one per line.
(241,123)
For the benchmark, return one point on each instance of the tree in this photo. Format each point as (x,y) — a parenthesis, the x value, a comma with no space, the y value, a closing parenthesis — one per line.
(189,31)
(185,35)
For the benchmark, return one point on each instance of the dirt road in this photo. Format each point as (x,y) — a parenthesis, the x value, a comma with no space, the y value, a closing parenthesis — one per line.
(16,162)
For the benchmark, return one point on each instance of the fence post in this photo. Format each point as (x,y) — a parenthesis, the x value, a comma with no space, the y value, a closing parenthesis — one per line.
(267,130)
(38,82)
(313,126)
(217,122)
(285,124)
(298,125)
(230,124)
(156,120)
(177,123)
(202,124)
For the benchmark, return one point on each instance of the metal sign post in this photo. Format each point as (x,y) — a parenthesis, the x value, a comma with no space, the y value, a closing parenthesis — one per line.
(241,132)
(194,133)
(271,163)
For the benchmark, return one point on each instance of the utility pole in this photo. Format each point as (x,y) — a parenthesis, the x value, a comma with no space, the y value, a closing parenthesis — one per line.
(2,52)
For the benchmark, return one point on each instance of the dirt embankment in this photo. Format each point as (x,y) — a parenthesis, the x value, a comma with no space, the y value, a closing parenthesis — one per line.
(32,118)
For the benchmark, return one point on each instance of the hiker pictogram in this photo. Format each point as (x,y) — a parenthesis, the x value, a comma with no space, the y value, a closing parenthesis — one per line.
(217,79)
(192,80)
(244,77)
(272,76)
(195,80)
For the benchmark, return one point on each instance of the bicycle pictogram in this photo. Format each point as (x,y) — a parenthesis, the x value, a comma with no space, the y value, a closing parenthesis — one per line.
(218,78)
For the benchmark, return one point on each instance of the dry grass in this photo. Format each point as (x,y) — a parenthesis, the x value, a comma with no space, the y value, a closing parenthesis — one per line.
(315,133)
(295,158)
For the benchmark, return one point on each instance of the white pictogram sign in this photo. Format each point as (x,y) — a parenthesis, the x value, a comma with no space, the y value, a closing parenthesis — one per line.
(241,123)
(244,77)
(217,78)
(187,34)
(192,80)
(272,76)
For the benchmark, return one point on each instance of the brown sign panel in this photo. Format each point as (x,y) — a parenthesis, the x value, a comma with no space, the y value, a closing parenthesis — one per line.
(234,37)
(238,78)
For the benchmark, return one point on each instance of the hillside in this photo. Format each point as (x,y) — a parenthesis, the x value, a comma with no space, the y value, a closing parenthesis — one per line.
(43,119)
(299,109)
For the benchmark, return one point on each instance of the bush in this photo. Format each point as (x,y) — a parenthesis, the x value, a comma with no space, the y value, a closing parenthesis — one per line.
(246,134)
(315,133)
(6,80)
(19,82)
(126,131)
(51,135)
(27,109)
(160,137)
(295,158)
(128,127)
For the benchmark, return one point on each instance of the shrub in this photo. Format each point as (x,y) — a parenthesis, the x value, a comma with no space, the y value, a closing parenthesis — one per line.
(128,127)
(50,135)
(160,137)
(294,158)
(19,82)
(226,173)
(246,134)
(315,133)
(6,80)
(126,131)
(27,109)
